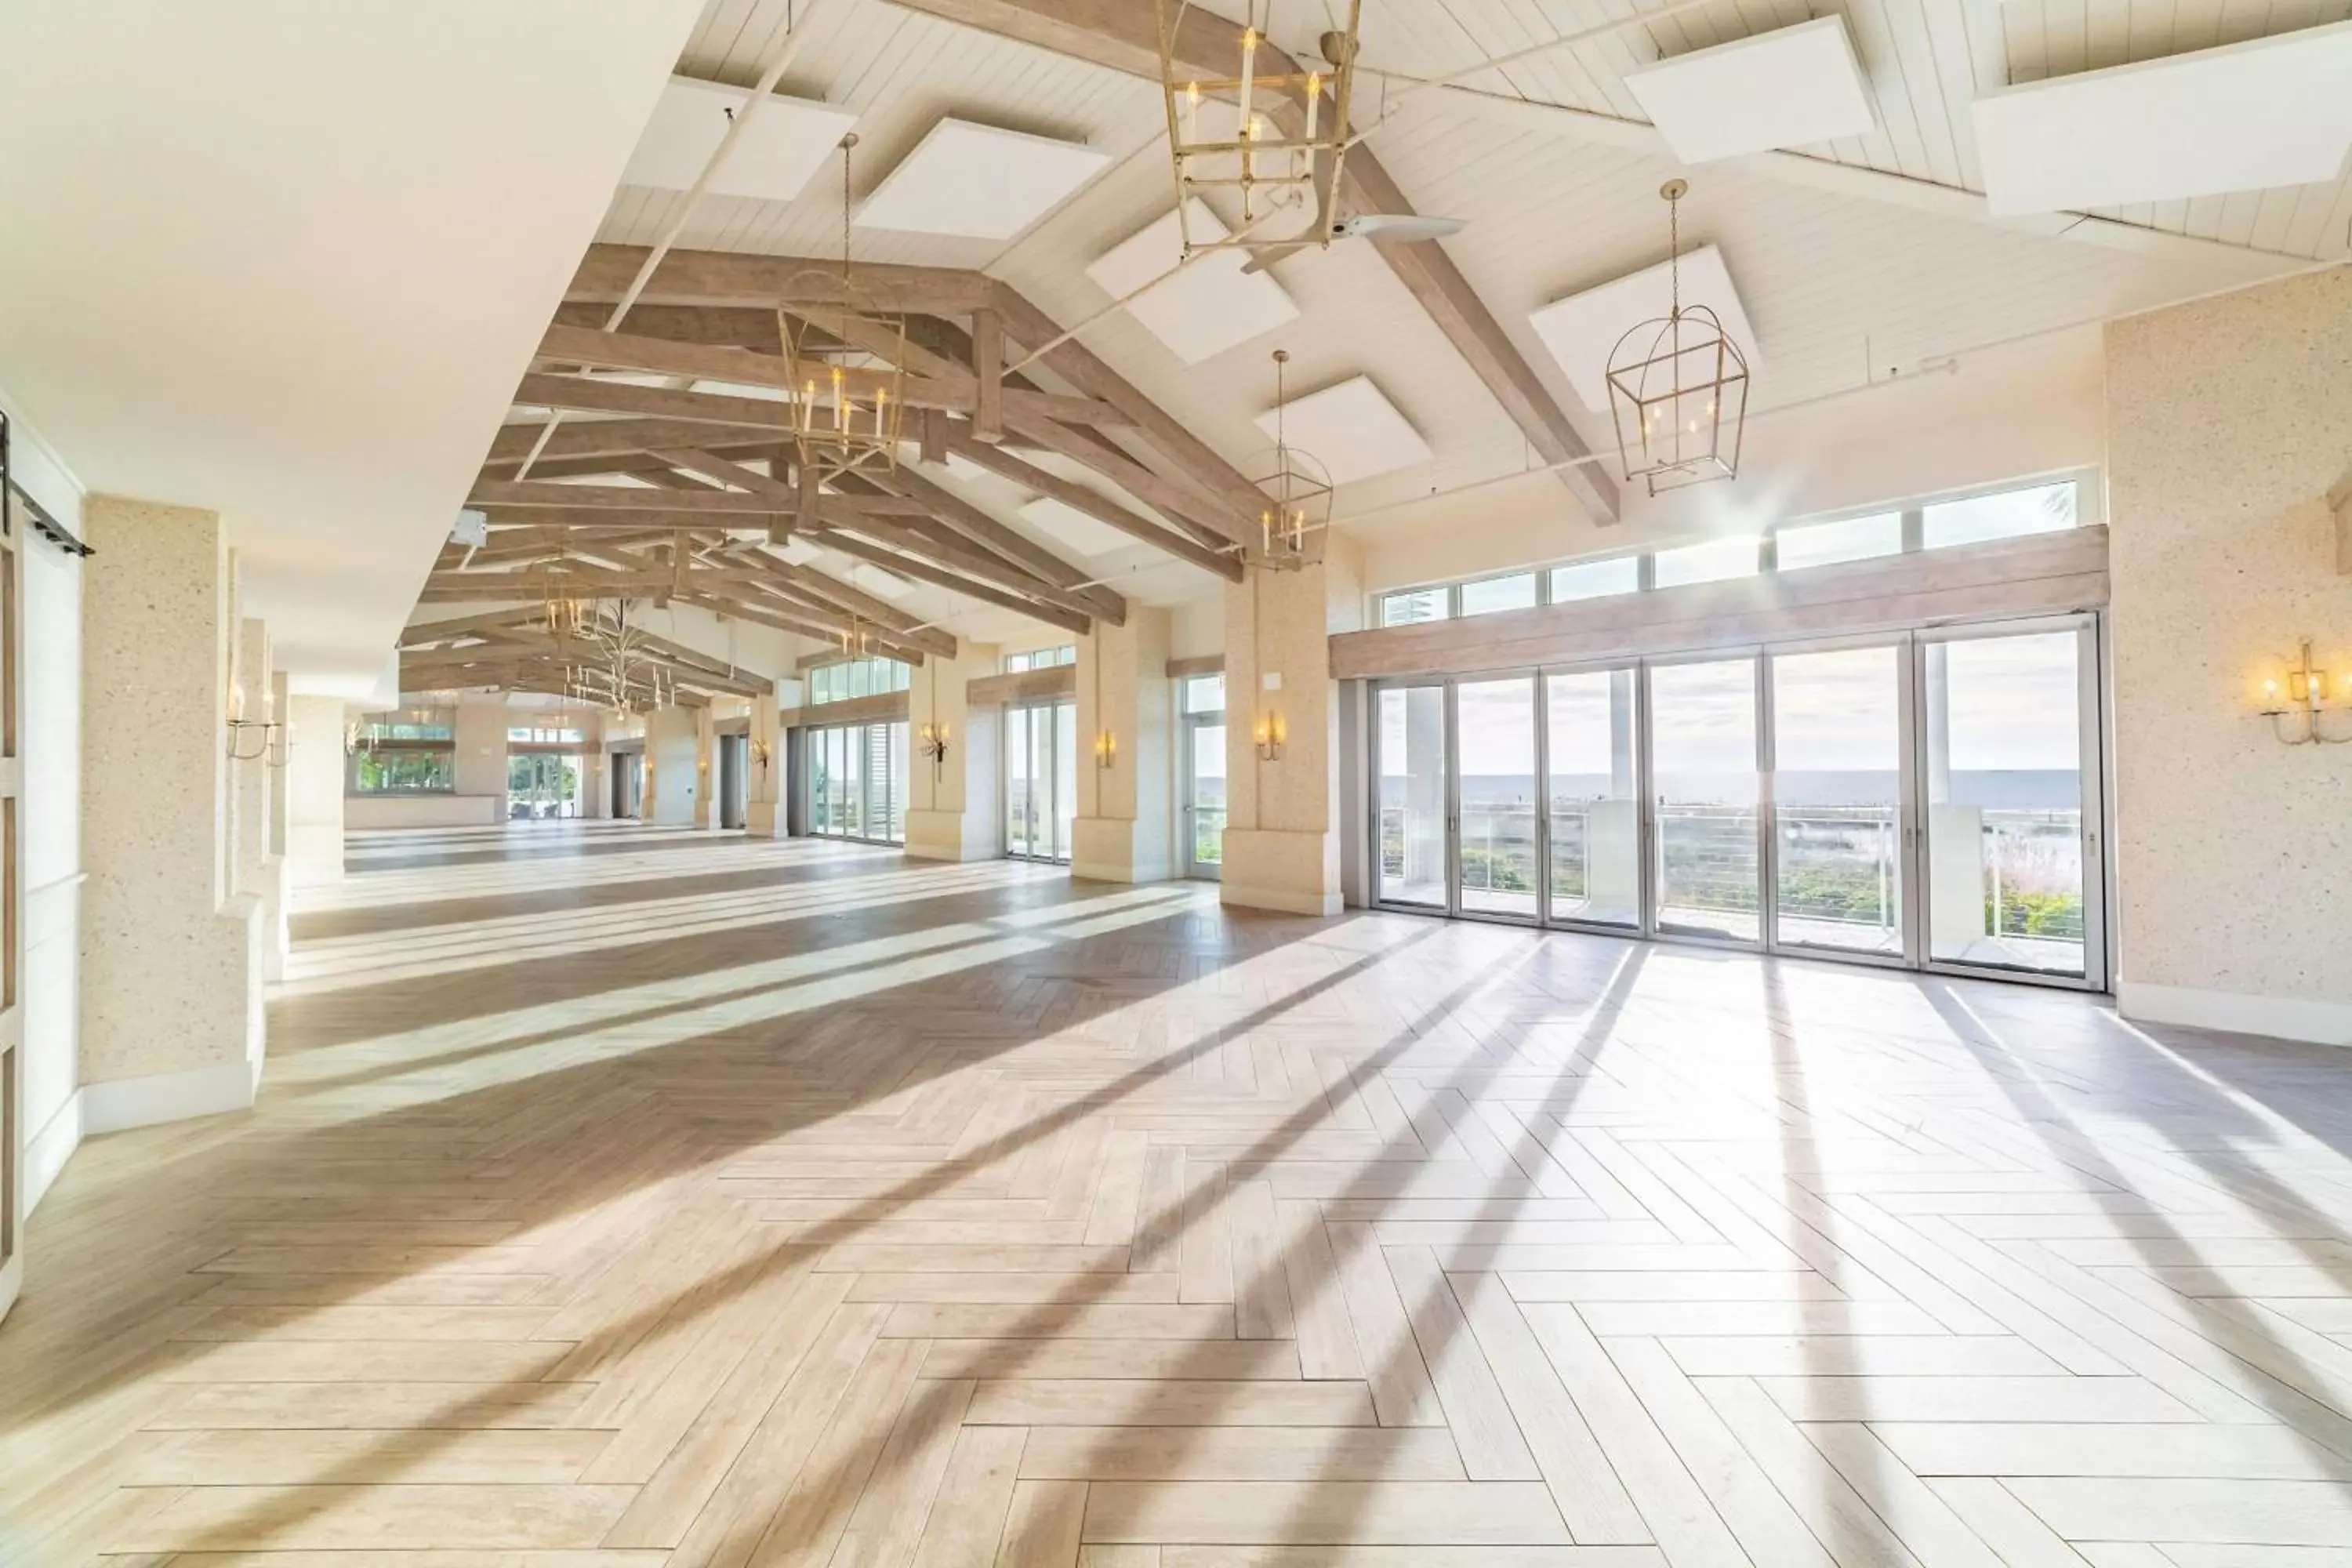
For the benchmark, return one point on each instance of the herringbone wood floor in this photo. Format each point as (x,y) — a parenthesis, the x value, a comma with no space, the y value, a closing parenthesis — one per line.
(621,1198)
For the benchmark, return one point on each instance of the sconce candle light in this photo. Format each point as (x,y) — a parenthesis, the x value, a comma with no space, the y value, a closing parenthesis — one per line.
(1270,734)
(934,738)
(2304,691)
(1106,750)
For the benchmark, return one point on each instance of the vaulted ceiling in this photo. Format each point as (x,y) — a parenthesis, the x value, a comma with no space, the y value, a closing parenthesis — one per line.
(1110,470)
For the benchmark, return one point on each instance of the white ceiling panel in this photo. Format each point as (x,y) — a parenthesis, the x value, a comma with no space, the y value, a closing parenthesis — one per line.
(786,145)
(875,580)
(979,182)
(1352,429)
(1583,328)
(1794,86)
(1074,528)
(2247,116)
(1208,308)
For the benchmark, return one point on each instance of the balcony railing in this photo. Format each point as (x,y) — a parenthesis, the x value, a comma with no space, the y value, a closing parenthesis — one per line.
(1838,866)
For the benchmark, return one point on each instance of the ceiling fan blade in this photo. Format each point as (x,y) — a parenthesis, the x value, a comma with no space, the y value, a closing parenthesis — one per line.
(1398,228)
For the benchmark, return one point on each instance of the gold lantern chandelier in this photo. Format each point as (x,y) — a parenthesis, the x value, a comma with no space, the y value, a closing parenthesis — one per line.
(1296,515)
(1678,385)
(848,388)
(1272,138)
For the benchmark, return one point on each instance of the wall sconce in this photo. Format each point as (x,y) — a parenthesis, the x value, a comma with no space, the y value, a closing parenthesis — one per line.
(2304,691)
(1106,750)
(934,738)
(1270,734)
(761,751)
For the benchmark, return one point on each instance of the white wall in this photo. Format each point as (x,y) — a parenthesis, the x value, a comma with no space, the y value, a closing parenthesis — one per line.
(2002,416)
(2227,421)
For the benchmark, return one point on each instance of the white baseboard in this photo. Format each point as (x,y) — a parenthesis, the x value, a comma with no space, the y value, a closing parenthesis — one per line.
(46,1153)
(2280,1017)
(1241,895)
(128,1103)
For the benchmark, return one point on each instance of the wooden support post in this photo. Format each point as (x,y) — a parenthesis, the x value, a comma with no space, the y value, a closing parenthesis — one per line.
(988,364)
(805,475)
(935,434)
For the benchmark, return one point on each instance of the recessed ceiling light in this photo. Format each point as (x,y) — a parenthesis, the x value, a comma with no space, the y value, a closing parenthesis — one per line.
(1793,86)
(1207,309)
(2245,117)
(1352,429)
(783,146)
(978,183)
(1582,329)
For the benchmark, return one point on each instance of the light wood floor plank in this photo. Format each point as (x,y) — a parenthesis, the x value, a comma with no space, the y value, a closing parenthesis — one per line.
(622,1196)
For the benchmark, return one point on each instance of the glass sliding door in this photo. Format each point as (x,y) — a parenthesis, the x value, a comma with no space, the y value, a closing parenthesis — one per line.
(1041,780)
(1497,859)
(1413,814)
(1837,792)
(858,781)
(1594,799)
(2007,754)
(1706,791)
(1204,795)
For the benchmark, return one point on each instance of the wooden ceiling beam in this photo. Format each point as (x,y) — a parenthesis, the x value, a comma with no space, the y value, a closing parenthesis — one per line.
(1125,39)
(946,548)
(953,512)
(726,277)
(1225,562)
(924,572)
(624,351)
(605,439)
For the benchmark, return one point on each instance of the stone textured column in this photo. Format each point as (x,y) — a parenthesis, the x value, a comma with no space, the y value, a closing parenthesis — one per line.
(314,791)
(171,957)
(1281,841)
(951,806)
(763,818)
(1122,831)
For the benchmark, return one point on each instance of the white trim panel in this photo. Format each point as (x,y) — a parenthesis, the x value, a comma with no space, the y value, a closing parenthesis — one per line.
(2278,1017)
(128,1103)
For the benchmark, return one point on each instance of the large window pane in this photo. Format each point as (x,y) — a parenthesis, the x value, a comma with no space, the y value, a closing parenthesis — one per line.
(2005,860)
(1412,606)
(1412,794)
(1205,694)
(1208,798)
(1713,562)
(1703,737)
(1488,594)
(1595,803)
(1497,745)
(1848,539)
(2006,514)
(1837,776)
(1596,579)
(1065,777)
(1020,787)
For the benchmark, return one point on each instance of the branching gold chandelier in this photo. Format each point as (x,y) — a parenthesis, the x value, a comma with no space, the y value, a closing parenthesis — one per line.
(847,387)
(1298,513)
(1678,385)
(1274,137)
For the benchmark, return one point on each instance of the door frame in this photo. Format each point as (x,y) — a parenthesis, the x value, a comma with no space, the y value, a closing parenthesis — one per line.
(2090,718)
(1912,848)
(1191,724)
(1050,818)
(1909,839)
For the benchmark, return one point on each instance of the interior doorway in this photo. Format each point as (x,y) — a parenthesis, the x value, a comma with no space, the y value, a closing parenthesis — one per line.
(734,780)
(629,772)
(1041,780)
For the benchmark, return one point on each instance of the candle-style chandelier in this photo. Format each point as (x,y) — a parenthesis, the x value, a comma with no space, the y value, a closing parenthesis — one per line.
(848,388)
(1296,515)
(1678,385)
(1274,138)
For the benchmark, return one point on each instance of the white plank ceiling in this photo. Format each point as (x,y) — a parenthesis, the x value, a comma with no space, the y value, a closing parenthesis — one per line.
(1868,270)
